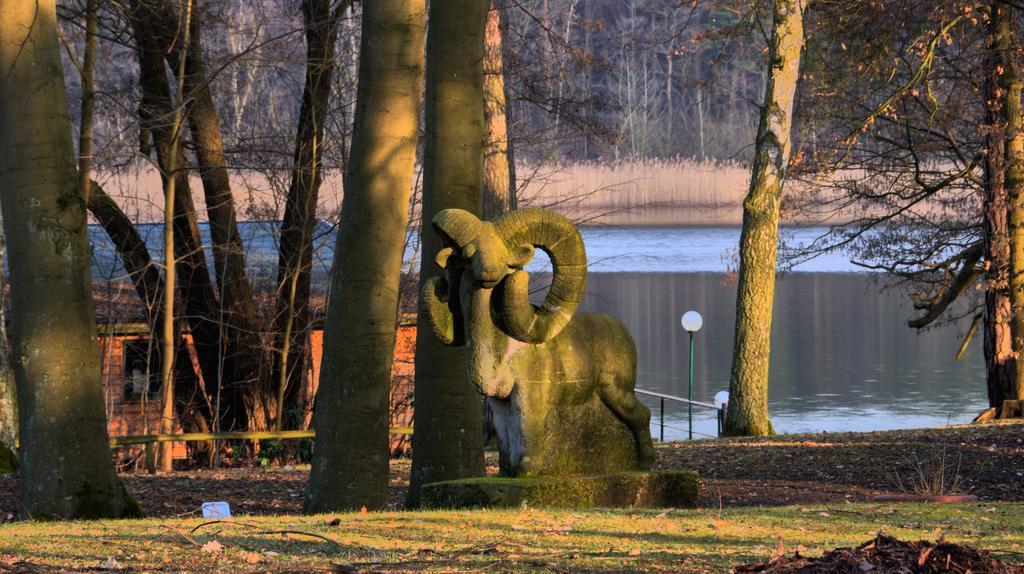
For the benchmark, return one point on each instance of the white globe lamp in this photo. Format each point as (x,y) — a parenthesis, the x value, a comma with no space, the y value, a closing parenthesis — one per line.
(692,322)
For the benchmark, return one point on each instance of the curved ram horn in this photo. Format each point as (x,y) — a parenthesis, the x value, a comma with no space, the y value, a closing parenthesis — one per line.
(439,297)
(446,326)
(560,239)
(456,226)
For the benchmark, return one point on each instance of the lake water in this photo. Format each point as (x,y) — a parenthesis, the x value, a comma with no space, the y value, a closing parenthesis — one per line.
(843,358)
(609,249)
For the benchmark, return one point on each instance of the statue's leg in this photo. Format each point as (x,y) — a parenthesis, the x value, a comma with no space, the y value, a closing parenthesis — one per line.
(621,400)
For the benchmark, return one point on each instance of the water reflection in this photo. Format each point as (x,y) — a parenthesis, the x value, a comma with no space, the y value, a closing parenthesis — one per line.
(843,358)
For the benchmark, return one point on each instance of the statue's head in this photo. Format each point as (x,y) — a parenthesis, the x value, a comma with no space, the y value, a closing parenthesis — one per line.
(478,247)
(491,255)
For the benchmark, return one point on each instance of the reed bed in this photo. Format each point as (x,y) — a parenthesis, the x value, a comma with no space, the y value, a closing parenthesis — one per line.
(635,192)
(641,192)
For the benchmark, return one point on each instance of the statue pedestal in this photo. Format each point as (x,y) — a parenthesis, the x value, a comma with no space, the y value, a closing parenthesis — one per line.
(634,489)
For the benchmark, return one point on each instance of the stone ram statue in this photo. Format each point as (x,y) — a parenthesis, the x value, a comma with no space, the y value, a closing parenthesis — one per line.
(559,385)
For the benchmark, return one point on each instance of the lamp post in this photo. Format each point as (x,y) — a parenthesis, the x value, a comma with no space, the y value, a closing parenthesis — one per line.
(692,322)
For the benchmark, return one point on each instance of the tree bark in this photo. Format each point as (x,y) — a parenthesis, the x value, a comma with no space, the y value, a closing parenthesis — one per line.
(448,437)
(1001,369)
(295,260)
(1008,78)
(165,450)
(748,385)
(499,168)
(88,100)
(66,465)
(351,461)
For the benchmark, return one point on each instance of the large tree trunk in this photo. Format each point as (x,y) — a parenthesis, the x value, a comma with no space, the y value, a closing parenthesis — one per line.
(448,437)
(66,465)
(1001,371)
(295,261)
(748,385)
(1006,31)
(499,168)
(350,463)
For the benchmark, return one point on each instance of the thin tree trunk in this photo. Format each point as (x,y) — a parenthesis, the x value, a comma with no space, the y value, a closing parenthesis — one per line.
(66,466)
(165,454)
(670,115)
(350,463)
(499,175)
(700,118)
(448,437)
(149,286)
(291,318)
(748,385)
(228,252)
(1001,371)
(194,284)
(88,101)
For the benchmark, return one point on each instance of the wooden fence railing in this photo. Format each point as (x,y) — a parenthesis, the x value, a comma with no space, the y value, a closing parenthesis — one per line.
(148,440)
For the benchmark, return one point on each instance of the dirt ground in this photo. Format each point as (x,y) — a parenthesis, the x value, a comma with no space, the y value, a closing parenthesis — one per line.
(986,460)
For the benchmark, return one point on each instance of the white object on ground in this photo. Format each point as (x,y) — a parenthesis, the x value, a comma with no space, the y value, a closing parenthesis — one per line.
(216,510)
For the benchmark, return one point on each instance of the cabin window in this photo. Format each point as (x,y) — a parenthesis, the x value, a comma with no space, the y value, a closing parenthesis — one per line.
(141,369)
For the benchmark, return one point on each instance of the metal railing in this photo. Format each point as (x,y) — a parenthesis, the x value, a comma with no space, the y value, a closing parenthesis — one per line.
(662,397)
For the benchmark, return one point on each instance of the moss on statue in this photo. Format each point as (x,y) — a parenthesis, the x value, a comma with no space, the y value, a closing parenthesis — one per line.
(676,489)
(558,441)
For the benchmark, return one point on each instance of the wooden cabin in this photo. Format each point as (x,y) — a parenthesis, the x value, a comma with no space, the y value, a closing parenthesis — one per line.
(132,384)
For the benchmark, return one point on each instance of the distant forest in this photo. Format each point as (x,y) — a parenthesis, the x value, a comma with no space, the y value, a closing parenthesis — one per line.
(595,81)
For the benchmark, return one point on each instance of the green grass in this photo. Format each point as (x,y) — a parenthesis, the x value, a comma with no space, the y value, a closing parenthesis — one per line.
(708,540)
